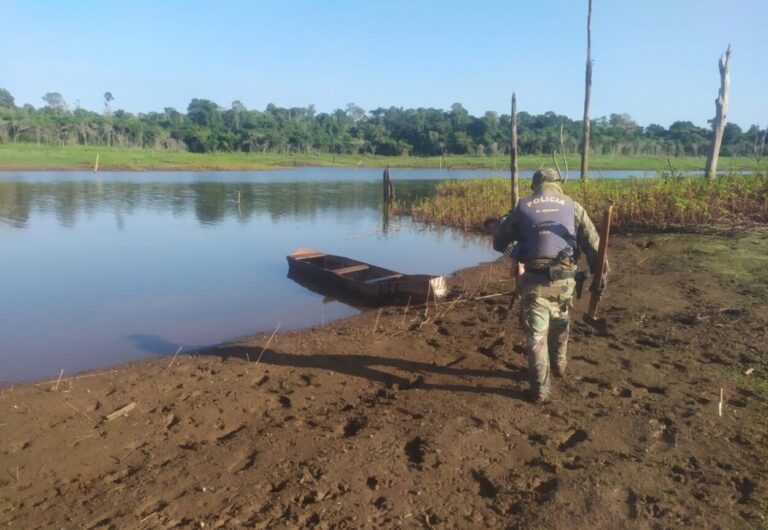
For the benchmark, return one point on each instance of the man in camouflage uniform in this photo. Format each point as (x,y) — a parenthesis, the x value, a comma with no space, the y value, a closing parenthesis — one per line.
(549,230)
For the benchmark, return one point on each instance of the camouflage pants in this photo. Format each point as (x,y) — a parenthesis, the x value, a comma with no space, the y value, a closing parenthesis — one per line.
(546,319)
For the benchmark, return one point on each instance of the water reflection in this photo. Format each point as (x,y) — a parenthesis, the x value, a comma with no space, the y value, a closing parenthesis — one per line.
(213,196)
(211,202)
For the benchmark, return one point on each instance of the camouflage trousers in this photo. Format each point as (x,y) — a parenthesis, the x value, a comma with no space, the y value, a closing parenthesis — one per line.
(546,318)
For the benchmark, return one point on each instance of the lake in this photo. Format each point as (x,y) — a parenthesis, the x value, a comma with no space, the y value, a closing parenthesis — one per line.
(101,269)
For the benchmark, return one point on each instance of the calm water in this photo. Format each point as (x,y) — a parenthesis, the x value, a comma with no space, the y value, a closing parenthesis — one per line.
(101,269)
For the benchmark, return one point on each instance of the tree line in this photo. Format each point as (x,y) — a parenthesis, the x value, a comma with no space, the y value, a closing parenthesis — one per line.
(208,127)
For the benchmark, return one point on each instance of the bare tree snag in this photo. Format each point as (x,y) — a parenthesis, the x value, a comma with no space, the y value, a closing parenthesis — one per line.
(759,146)
(587,98)
(562,150)
(388,189)
(721,106)
(514,173)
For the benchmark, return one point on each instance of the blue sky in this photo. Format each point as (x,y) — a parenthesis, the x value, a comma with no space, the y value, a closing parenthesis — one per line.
(655,60)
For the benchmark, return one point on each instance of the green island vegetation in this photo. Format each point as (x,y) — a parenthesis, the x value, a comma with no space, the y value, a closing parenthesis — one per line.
(21,156)
(209,137)
(664,203)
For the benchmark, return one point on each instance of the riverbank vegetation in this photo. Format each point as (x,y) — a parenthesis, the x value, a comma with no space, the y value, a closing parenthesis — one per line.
(76,157)
(207,127)
(652,204)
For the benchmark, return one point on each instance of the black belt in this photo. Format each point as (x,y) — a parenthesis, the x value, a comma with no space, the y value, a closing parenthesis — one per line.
(554,272)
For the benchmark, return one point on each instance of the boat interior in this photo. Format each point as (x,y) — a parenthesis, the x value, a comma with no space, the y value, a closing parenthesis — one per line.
(346,267)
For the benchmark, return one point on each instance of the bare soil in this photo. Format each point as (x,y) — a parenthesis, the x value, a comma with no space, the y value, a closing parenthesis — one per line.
(420,419)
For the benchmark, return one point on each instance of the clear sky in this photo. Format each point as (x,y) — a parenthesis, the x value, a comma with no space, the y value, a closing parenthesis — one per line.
(653,59)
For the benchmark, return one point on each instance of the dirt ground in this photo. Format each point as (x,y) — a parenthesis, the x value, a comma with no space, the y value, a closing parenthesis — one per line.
(420,419)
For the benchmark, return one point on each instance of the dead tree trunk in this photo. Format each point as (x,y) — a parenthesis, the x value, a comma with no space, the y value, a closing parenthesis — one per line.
(388,189)
(760,146)
(721,106)
(587,98)
(514,173)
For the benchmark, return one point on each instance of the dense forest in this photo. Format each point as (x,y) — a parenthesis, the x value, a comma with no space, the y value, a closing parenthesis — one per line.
(207,127)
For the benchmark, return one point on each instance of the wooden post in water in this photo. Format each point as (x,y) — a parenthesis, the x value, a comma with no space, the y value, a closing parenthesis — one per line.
(388,189)
(721,108)
(514,173)
(385,187)
(96,165)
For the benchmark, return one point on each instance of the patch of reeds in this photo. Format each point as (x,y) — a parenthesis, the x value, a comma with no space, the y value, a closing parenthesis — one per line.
(650,204)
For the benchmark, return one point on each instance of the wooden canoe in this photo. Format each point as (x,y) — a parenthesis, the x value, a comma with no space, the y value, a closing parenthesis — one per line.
(372,284)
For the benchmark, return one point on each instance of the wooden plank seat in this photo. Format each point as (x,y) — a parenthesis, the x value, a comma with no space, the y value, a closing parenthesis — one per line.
(348,270)
(384,278)
(308,255)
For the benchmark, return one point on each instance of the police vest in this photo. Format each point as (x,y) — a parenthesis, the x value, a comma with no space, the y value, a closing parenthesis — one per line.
(546,226)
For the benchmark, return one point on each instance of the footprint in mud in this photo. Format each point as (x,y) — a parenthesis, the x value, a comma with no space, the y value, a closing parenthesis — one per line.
(745,487)
(626,364)
(622,392)
(415,450)
(648,342)
(355,425)
(20,446)
(679,474)
(740,440)
(663,434)
(190,446)
(575,437)
(680,368)
(382,503)
(546,491)
(537,438)
(489,351)
(487,488)
(648,505)
(243,462)
(574,463)
(651,389)
(542,464)
(594,381)
(171,420)
(585,359)
(150,508)
(736,402)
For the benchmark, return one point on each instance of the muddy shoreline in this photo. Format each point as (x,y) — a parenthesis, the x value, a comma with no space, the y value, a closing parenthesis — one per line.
(420,418)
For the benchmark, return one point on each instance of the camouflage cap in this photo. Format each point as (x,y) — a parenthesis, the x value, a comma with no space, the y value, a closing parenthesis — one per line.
(546,174)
